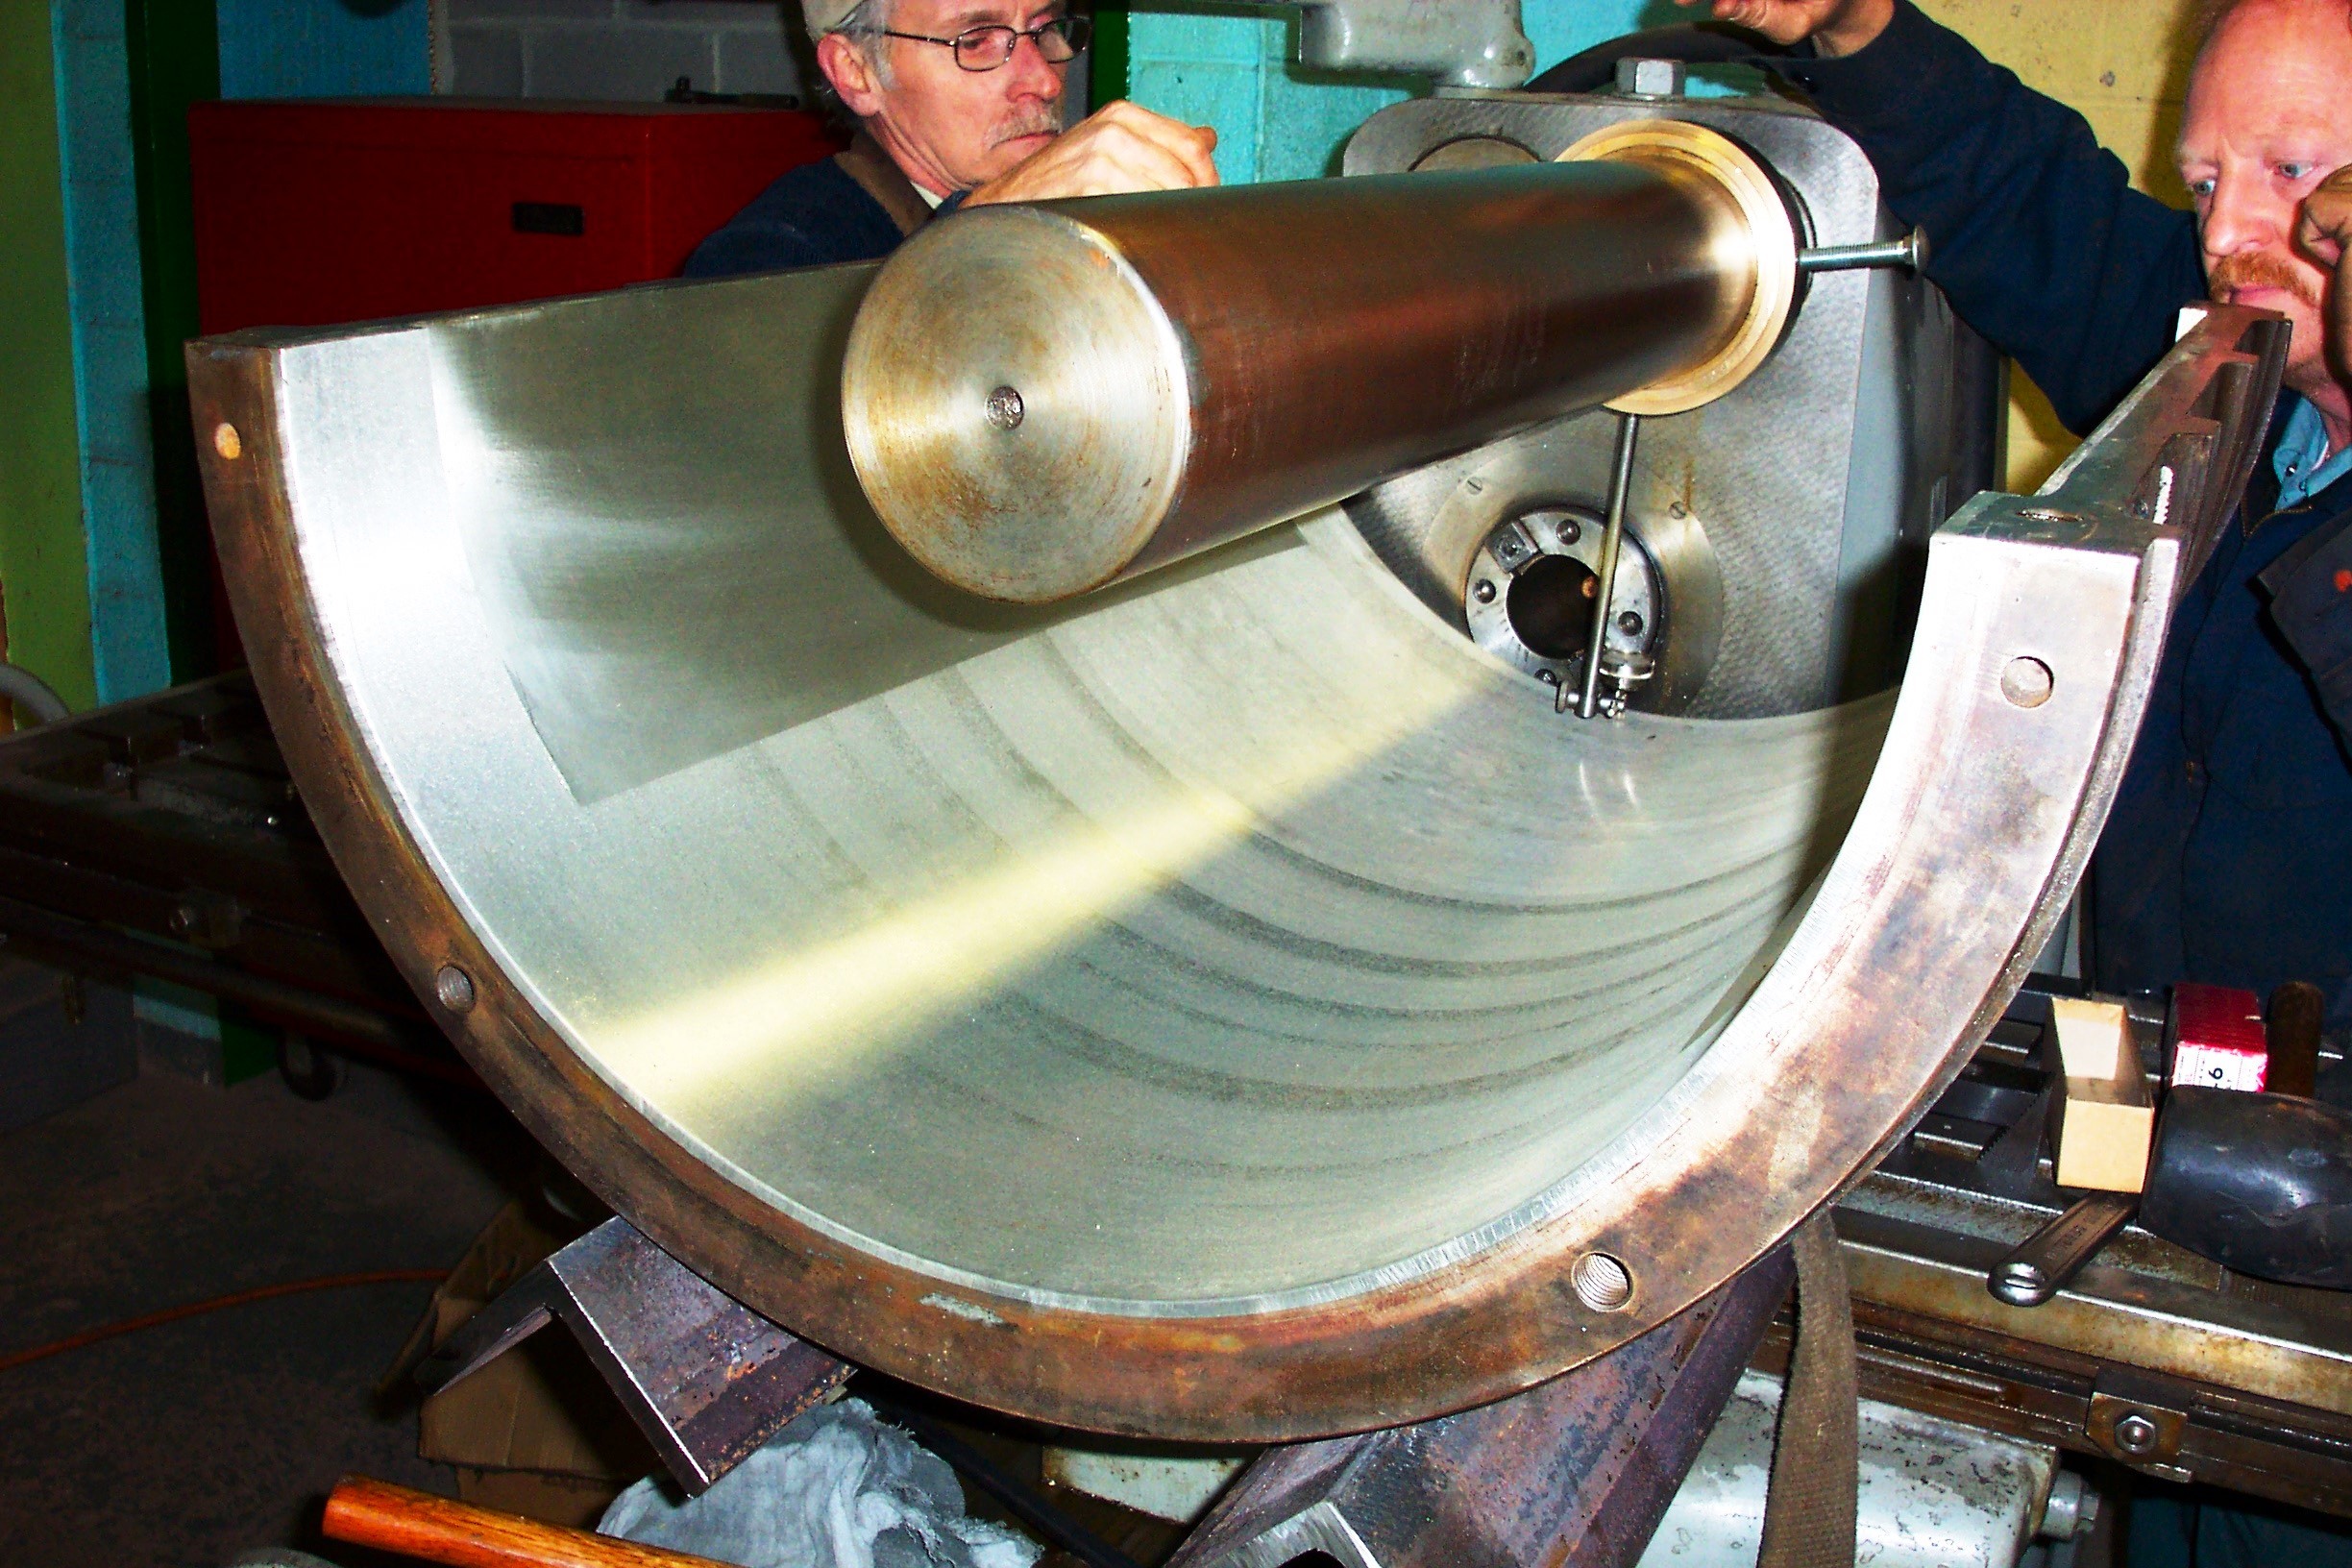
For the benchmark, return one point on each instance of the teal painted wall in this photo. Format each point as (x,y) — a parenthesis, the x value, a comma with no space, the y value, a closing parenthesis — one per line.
(267,48)
(324,48)
(130,649)
(1274,121)
(1235,72)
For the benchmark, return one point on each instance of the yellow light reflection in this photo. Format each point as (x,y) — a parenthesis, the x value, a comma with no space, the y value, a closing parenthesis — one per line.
(824,1011)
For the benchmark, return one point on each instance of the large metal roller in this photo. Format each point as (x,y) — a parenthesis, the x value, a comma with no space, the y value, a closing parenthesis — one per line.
(1041,400)
(1234,1005)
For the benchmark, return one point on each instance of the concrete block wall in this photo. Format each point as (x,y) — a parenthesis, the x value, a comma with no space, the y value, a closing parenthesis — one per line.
(1275,122)
(324,48)
(2123,63)
(1236,73)
(621,50)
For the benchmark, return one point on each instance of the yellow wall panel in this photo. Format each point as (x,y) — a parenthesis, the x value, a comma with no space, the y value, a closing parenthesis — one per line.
(2124,64)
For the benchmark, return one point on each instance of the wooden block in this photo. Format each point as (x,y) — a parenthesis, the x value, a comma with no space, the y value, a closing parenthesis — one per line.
(2103,1137)
(2090,1037)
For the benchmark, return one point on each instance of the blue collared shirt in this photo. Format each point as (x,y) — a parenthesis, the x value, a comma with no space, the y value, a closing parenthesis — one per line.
(2302,461)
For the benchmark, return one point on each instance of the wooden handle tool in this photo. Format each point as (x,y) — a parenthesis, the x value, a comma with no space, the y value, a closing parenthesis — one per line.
(376,1514)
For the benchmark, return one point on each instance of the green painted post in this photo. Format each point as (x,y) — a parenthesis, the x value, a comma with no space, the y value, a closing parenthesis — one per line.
(44,569)
(1107,57)
(175,61)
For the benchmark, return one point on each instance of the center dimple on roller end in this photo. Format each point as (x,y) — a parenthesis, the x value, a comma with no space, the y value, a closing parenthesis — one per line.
(1004,407)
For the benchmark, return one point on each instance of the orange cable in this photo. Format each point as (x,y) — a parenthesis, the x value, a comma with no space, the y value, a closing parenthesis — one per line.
(173,1315)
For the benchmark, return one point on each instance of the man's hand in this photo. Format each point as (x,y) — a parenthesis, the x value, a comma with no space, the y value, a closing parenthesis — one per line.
(2325,233)
(1836,27)
(1116,149)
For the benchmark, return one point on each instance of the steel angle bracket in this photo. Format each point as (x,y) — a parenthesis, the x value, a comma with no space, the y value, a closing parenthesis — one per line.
(705,1378)
(1575,1474)
(1461,43)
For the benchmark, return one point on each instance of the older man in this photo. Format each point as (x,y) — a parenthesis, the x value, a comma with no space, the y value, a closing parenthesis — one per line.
(2228,857)
(959,102)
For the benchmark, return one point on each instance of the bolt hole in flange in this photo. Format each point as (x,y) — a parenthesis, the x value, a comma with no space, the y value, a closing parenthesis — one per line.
(1601,1281)
(2027,681)
(1529,599)
(453,989)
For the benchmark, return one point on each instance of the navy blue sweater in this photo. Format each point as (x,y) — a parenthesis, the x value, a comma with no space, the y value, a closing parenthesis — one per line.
(2228,856)
(814,216)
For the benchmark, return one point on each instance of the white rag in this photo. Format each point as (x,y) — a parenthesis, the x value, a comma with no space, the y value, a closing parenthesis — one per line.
(835,1490)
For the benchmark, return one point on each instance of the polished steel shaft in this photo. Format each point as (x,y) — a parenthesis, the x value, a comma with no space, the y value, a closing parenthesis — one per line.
(1041,400)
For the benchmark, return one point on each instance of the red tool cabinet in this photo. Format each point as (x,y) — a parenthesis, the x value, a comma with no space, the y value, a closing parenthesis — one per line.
(315,211)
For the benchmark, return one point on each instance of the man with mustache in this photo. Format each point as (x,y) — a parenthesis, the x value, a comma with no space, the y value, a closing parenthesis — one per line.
(2228,856)
(959,102)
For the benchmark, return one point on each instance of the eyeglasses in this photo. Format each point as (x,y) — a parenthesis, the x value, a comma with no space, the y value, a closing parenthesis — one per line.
(986,48)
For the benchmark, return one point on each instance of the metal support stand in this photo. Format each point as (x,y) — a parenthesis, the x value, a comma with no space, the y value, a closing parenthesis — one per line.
(705,1377)
(1575,1473)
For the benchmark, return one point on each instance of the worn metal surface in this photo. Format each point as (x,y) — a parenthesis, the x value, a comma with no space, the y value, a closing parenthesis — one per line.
(1042,399)
(1755,238)
(1179,1019)
(2235,1382)
(1574,1473)
(1463,43)
(1933,1493)
(161,837)
(1788,518)
(705,1378)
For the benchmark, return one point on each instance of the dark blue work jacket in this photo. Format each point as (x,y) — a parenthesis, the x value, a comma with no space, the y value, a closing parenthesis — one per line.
(855,205)
(2228,857)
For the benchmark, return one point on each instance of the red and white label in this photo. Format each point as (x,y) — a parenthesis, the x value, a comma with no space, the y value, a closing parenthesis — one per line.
(2218,1066)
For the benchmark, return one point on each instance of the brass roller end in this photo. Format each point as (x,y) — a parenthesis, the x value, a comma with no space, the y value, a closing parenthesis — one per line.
(1754,236)
(1019,419)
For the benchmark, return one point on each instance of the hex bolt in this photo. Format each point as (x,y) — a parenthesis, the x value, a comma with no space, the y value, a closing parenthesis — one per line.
(453,989)
(2135,1434)
(1650,78)
(2027,681)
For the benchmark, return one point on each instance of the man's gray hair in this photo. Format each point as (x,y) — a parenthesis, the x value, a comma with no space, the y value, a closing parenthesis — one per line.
(862,24)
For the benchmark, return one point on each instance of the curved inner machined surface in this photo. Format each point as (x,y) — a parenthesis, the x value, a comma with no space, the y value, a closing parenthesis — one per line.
(1235,938)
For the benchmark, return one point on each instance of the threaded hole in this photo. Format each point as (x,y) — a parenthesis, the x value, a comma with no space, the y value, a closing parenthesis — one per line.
(1601,1281)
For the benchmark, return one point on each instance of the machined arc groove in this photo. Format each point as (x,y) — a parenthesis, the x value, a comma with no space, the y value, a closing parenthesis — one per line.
(1834,999)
